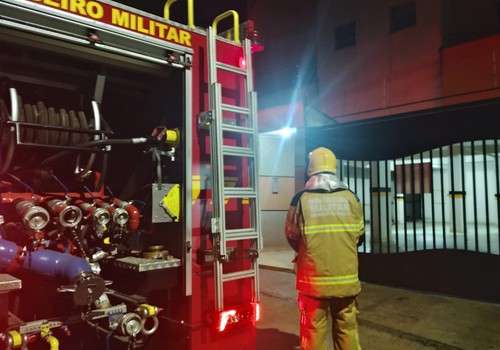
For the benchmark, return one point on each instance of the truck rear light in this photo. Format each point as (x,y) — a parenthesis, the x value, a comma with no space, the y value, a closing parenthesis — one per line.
(257,312)
(230,318)
(225,318)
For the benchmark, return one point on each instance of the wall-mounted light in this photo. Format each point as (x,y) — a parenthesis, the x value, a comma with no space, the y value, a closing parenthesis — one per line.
(285,132)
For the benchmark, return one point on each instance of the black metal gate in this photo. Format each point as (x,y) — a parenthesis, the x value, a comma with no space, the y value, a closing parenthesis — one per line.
(429,182)
(445,198)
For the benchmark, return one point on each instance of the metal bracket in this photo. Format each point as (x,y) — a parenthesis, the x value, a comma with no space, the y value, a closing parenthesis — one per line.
(161,213)
(106,312)
(205,119)
(35,326)
(215,225)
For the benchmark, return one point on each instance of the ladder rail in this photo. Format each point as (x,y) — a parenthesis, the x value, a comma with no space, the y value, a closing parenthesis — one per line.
(257,219)
(247,150)
(217,214)
(216,156)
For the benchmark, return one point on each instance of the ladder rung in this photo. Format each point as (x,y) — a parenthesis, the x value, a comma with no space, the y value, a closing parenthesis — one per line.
(238,275)
(239,192)
(237,151)
(239,129)
(235,109)
(230,68)
(239,234)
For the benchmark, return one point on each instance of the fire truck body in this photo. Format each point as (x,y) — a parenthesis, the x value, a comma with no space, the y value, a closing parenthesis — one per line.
(129,208)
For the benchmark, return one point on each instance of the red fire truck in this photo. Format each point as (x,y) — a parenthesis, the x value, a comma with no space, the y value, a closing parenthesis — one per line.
(129,214)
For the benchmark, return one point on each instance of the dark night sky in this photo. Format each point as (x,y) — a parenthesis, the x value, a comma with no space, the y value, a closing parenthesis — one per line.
(204,10)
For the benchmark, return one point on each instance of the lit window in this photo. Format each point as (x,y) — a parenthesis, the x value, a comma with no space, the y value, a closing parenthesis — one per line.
(345,36)
(403,16)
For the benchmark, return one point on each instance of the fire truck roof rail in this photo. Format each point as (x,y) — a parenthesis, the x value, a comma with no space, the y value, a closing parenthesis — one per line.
(190,11)
(236,23)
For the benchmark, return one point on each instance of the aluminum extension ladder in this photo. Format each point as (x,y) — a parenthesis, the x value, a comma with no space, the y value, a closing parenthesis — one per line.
(246,149)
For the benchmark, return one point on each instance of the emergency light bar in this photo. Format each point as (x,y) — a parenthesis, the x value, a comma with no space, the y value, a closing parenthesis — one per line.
(230,318)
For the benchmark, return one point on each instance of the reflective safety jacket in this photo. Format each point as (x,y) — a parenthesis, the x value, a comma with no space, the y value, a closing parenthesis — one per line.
(324,225)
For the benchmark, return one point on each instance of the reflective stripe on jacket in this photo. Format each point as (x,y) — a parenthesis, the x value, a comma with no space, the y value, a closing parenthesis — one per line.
(330,225)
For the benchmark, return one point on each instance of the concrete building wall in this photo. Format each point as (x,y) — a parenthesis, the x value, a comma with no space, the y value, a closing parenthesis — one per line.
(276,186)
(383,72)
(288,59)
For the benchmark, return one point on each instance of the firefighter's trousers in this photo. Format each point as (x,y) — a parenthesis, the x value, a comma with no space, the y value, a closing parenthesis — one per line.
(314,323)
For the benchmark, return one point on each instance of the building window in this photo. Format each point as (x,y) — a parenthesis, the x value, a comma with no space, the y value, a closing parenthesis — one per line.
(345,36)
(403,16)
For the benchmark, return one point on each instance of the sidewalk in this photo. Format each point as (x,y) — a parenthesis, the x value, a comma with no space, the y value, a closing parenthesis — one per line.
(390,318)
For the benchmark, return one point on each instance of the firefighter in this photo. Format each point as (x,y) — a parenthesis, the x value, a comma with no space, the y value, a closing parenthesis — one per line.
(325,225)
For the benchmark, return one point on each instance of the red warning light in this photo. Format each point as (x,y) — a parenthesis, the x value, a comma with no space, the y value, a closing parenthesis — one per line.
(242,63)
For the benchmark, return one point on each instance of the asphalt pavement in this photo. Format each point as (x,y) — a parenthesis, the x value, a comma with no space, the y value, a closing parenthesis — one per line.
(389,319)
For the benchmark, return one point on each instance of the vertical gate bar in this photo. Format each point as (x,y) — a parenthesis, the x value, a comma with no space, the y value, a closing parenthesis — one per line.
(387,198)
(396,201)
(453,213)
(371,208)
(433,208)
(485,166)
(356,179)
(474,195)
(464,207)
(379,206)
(404,204)
(355,176)
(413,209)
(348,171)
(497,192)
(341,170)
(422,190)
(363,195)
(442,196)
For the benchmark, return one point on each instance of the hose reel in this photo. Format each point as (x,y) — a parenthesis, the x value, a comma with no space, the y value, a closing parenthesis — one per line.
(41,126)
(38,126)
